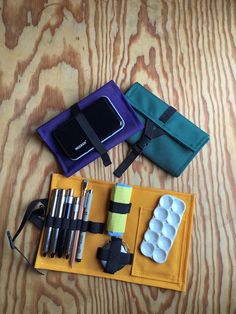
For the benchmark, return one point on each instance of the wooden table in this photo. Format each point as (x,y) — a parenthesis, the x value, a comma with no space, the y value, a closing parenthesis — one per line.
(54,53)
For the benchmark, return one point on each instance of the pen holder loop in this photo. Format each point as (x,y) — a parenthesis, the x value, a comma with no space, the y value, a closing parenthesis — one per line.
(36,214)
(71,224)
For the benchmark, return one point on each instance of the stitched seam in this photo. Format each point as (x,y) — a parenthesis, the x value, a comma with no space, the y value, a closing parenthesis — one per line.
(188,161)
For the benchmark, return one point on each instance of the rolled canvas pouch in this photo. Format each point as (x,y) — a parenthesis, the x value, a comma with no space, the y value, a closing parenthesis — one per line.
(169,139)
(131,125)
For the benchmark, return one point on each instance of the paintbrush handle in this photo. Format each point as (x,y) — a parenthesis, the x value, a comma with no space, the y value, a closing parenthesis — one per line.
(77,232)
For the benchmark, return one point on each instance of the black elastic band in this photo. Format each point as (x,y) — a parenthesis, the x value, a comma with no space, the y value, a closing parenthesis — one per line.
(96,227)
(73,224)
(65,223)
(77,224)
(54,222)
(119,208)
(167,114)
(90,133)
(49,221)
(115,259)
(125,258)
(90,226)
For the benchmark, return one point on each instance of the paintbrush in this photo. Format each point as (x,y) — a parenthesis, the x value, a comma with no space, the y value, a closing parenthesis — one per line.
(80,216)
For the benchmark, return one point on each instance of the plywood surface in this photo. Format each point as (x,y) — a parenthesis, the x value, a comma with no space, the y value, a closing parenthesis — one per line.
(54,53)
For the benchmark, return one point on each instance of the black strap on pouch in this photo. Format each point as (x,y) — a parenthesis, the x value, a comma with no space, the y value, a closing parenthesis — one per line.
(36,214)
(90,133)
(150,132)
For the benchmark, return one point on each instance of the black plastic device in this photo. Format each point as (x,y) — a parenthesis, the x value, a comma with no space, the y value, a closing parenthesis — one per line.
(103,118)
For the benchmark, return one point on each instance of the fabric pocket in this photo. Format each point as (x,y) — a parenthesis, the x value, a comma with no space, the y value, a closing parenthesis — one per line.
(172,273)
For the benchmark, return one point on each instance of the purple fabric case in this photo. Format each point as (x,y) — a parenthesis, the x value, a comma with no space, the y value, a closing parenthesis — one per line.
(132,125)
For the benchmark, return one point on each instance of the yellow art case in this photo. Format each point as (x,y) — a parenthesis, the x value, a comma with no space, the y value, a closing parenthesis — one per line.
(170,275)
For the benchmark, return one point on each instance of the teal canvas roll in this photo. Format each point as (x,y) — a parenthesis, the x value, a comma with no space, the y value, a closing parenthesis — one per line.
(178,140)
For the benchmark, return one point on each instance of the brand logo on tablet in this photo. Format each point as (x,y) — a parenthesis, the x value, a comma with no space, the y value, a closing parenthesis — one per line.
(81,145)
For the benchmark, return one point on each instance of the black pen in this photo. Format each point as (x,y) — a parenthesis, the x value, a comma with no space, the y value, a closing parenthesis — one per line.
(52,206)
(66,214)
(70,234)
(55,230)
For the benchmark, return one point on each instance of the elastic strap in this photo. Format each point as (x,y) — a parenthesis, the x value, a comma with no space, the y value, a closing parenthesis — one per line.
(90,134)
(95,227)
(125,258)
(35,213)
(119,208)
(113,256)
(74,224)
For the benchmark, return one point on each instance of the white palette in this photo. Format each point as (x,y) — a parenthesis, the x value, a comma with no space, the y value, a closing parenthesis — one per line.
(163,227)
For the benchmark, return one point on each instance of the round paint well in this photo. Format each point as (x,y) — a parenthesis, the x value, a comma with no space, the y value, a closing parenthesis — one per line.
(151,237)
(161,213)
(166,201)
(168,231)
(173,219)
(159,255)
(147,248)
(164,243)
(155,225)
(178,206)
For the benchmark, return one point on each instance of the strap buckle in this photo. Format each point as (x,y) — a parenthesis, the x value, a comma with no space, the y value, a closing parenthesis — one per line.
(141,144)
(151,131)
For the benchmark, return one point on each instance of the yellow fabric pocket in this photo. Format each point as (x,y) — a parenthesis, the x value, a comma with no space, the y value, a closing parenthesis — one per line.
(172,273)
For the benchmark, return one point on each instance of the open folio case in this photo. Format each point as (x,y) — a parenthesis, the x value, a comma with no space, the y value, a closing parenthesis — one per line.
(171,274)
(169,140)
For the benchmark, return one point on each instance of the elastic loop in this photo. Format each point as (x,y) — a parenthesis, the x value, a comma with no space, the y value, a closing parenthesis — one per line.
(49,221)
(167,114)
(119,208)
(90,134)
(114,258)
(65,223)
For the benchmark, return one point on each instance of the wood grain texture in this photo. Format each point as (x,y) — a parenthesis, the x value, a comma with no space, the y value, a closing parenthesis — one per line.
(56,52)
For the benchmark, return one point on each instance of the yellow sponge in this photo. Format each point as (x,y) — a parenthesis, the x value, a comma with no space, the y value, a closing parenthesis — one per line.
(116,222)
